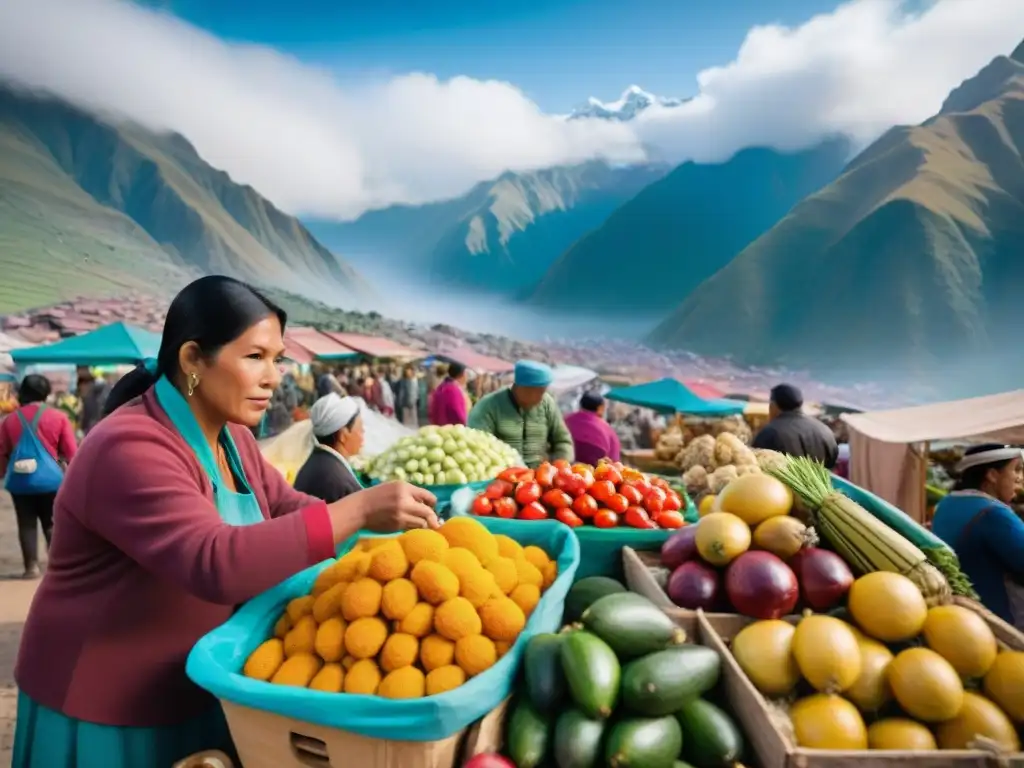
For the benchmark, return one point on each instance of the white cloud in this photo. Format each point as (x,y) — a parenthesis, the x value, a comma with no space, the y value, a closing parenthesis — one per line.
(859,70)
(313,147)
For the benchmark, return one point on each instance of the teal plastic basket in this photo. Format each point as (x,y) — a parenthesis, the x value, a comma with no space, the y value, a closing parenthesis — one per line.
(216,661)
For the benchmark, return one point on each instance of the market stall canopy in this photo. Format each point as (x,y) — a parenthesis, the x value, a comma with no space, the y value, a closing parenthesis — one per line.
(704,390)
(316,345)
(375,346)
(8,343)
(118,343)
(570,377)
(475,361)
(881,456)
(672,396)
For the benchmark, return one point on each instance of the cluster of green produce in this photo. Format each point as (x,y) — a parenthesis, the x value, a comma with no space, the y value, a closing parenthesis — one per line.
(449,455)
(619,687)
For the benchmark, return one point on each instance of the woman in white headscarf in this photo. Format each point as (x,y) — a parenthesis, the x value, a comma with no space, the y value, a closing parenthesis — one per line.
(338,429)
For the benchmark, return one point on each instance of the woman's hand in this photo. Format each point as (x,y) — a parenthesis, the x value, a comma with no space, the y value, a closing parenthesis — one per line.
(391,507)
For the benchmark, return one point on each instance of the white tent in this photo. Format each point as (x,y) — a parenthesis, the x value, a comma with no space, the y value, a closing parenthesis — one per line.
(7,343)
(889,449)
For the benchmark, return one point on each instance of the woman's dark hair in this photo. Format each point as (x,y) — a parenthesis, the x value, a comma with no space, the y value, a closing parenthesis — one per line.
(332,439)
(212,311)
(972,478)
(33,389)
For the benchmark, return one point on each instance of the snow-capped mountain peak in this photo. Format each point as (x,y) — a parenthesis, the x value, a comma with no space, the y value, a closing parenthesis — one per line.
(631,103)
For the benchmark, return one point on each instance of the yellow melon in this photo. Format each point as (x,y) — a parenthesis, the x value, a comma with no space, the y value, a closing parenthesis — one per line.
(926,685)
(978,717)
(822,721)
(827,653)
(1004,684)
(871,690)
(961,637)
(900,733)
(887,606)
(764,651)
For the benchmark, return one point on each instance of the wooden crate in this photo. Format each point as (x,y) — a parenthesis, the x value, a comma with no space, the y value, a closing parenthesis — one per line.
(775,749)
(266,740)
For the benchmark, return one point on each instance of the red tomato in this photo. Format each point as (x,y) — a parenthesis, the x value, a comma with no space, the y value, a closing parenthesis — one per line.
(545,474)
(654,501)
(632,475)
(585,506)
(561,464)
(660,482)
(670,520)
(672,502)
(586,477)
(533,511)
(606,519)
(516,475)
(482,505)
(498,489)
(568,517)
(505,507)
(527,493)
(632,494)
(608,472)
(556,499)
(602,490)
(617,503)
(571,483)
(635,517)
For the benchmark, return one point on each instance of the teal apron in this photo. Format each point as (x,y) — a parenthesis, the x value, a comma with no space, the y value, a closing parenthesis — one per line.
(44,738)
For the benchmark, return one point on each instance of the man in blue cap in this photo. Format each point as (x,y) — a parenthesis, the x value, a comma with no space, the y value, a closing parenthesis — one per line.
(525,416)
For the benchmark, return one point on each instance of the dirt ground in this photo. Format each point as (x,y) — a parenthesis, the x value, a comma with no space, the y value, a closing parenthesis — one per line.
(15,596)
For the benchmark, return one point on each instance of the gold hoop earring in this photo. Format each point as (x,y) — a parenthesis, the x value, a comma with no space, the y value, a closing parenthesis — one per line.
(193,382)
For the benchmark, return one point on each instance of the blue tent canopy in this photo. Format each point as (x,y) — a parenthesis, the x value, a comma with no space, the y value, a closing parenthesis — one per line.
(115,344)
(672,396)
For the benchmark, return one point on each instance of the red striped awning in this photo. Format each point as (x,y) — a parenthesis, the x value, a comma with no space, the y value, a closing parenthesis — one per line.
(704,390)
(375,346)
(316,345)
(476,361)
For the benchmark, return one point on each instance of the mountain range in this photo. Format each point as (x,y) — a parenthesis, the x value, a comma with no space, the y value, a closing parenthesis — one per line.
(631,103)
(499,238)
(678,231)
(93,206)
(911,262)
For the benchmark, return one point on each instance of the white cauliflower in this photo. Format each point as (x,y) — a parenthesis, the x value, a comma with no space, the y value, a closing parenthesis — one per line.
(721,477)
(700,452)
(768,459)
(727,447)
(696,480)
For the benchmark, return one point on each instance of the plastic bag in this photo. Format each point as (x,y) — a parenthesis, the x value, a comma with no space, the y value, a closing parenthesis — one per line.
(216,660)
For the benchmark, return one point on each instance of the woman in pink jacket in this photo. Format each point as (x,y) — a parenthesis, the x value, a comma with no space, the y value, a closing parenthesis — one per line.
(168,518)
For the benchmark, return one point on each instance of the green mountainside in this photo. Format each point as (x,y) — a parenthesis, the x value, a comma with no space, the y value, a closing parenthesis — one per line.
(498,238)
(91,207)
(681,229)
(911,262)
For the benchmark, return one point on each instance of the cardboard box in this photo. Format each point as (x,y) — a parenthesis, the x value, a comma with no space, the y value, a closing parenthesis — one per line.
(266,740)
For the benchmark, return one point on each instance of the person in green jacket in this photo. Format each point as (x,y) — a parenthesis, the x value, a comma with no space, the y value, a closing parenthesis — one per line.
(525,416)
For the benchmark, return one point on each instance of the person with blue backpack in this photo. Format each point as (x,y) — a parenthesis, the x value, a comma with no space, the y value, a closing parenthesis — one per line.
(34,442)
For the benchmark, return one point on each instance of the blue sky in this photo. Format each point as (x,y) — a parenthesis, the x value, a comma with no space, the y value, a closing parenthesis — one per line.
(558,51)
